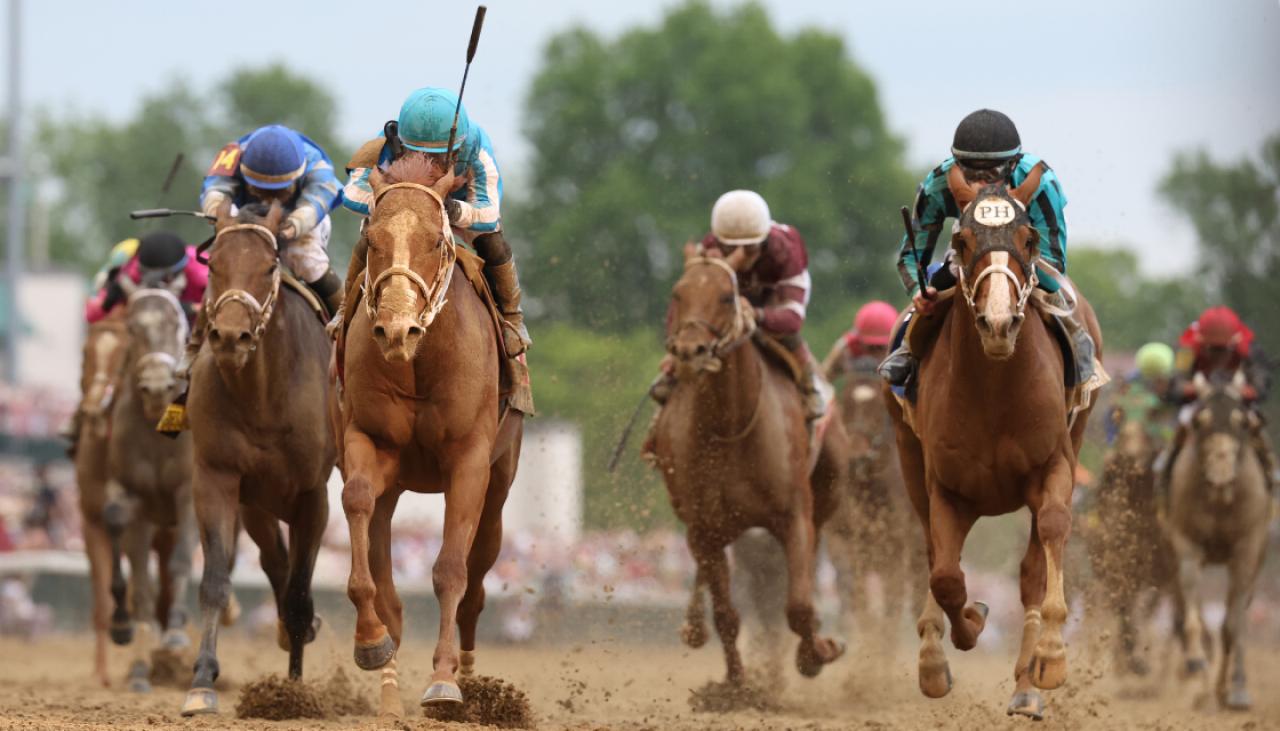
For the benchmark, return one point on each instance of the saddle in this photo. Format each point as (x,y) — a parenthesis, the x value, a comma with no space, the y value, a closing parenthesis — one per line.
(514,388)
(288,279)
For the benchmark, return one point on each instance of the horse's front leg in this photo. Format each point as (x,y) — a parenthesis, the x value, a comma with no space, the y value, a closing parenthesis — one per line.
(305,531)
(1053,524)
(179,569)
(142,602)
(116,515)
(369,472)
(1246,560)
(464,503)
(1027,700)
(800,543)
(217,502)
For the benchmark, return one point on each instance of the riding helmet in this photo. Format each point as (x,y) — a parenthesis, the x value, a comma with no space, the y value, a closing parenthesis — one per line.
(426,118)
(162,252)
(986,135)
(273,158)
(740,218)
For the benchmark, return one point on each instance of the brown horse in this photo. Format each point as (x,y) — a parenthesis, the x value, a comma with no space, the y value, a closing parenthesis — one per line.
(1128,549)
(421,412)
(1219,511)
(871,531)
(149,503)
(991,434)
(105,347)
(733,448)
(263,450)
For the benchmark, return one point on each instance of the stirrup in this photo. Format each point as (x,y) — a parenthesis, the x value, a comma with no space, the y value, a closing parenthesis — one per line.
(898,367)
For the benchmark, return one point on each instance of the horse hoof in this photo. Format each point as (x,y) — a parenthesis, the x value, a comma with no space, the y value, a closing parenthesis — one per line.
(441,693)
(373,657)
(139,685)
(1194,666)
(121,634)
(1048,672)
(694,635)
(1139,667)
(1237,700)
(282,634)
(175,640)
(1027,703)
(811,657)
(467,663)
(982,609)
(200,701)
(934,671)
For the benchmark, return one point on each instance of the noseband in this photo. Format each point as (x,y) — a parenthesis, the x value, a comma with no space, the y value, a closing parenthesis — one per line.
(743,323)
(433,294)
(160,357)
(259,312)
(1024,289)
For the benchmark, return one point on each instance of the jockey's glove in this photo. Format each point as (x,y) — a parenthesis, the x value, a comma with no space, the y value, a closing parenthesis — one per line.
(212,201)
(299,222)
(454,209)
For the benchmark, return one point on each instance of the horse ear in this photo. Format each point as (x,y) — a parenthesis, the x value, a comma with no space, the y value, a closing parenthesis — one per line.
(690,250)
(223,214)
(1025,192)
(274,216)
(962,190)
(377,181)
(1238,382)
(1201,384)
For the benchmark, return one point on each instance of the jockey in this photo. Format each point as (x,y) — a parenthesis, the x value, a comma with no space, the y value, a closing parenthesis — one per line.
(1216,346)
(988,149)
(773,275)
(275,163)
(1145,393)
(860,350)
(474,206)
(162,259)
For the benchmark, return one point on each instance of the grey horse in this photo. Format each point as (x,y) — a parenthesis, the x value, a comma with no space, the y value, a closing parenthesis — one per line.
(1218,514)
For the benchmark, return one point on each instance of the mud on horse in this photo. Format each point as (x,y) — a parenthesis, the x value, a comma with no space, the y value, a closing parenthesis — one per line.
(263,447)
(989,435)
(733,448)
(421,412)
(148,494)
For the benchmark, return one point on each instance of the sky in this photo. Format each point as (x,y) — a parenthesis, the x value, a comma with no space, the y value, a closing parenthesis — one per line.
(1106,91)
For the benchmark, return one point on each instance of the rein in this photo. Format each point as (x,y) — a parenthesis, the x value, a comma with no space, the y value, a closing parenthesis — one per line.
(259,312)
(434,293)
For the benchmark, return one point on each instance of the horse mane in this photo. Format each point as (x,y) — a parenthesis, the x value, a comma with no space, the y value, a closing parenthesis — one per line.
(419,169)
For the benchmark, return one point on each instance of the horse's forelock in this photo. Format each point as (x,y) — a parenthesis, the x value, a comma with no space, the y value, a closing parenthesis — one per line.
(418,169)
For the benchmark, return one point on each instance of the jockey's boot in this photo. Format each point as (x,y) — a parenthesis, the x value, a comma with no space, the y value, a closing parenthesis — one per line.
(506,294)
(899,366)
(1261,444)
(71,433)
(816,391)
(329,289)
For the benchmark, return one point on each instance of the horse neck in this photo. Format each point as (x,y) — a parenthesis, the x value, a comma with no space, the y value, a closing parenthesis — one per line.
(727,399)
(451,333)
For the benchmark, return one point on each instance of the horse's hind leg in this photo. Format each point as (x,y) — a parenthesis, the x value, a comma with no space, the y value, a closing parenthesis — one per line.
(305,531)
(800,544)
(264,529)
(1246,560)
(217,499)
(386,602)
(1051,507)
(949,525)
(1027,700)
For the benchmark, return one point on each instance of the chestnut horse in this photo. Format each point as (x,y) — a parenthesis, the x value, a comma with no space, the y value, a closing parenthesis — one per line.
(105,348)
(149,486)
(421,412)
(734,450)
(1219,513)
(990,434)
(258,410)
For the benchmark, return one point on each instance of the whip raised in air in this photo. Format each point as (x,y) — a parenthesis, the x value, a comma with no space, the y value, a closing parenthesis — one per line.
(471,54)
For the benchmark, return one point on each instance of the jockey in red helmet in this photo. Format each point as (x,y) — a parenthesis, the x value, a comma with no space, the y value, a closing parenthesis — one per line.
(861,349)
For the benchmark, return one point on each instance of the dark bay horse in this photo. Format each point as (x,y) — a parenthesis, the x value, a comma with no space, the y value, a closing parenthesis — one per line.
(149,503)
(734,450)
(991,434)
(1219,511)
(105,347)
(421,412)
(258,410)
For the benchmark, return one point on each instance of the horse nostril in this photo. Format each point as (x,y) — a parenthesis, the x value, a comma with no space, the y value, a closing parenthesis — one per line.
(379,332)
(983,323)
(415,331)
(215,335)
(244,338)
(701,349)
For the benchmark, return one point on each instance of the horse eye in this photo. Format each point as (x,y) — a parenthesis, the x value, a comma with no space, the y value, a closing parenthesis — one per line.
(727,299)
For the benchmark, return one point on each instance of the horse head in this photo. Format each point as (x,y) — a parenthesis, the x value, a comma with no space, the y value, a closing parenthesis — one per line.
(866,422)
(158,331)
(411,254)
(1221,423)
(708,317)
(104,355)
(244,282)
(997,248)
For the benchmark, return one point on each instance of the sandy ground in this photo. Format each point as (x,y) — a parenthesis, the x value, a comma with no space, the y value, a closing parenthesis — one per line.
(47,685)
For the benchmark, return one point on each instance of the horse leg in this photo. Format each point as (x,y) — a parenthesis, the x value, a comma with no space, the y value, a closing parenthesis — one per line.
(932,667)
(694,630)
(273,556)
(484,553)
(386,602)
(799,542)
(1242,570)
(142,603)
(1027,701)
(305,531)
(116,515)
(369,473)
(179,571)
(217,501)
(713,569)
(98,548)
(949,525)
(1053,524)
(464,504)
(1190,560)
(841,548)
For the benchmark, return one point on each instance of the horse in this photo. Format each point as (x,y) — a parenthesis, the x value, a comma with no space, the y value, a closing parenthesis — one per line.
(733,449)
(258,408)
(991,433)
(105,347)
(421,412)
(1219,511)
(1127,546)
(148,501)
(871,529)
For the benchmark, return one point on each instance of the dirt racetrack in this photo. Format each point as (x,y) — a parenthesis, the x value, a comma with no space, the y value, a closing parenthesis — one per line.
(47,685)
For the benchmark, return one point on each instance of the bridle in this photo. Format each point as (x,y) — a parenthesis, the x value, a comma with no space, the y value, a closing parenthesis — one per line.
(969,289)
(743,322)
(259,312)
(433,294)
(160,357)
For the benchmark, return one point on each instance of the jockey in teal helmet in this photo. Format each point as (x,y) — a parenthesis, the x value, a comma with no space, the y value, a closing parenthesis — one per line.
(474,207)
(275,163)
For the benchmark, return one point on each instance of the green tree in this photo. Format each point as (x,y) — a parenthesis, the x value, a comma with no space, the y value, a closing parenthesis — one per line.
(635,137)
(1133,309)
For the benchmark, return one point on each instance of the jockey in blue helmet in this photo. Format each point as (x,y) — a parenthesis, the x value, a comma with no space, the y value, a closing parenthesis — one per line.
(275,163)
(474,206)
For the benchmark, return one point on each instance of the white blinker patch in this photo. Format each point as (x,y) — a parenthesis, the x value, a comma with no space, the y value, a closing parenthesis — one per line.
(993,212)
